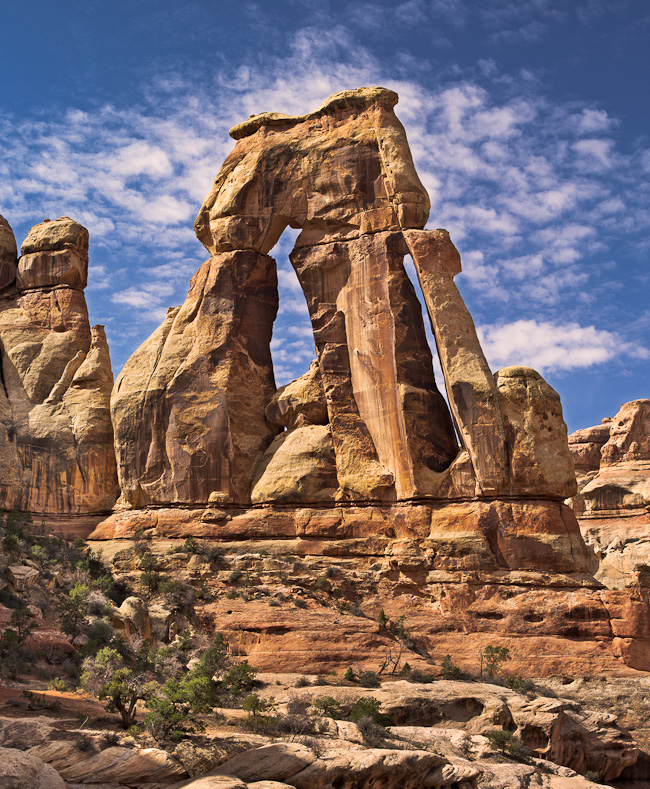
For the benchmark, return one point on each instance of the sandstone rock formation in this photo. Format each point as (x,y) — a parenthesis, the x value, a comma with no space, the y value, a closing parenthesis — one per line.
(613,500)
(194,410)
(56,439)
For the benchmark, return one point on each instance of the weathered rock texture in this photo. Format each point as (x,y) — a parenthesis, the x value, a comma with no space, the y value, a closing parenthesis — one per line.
(613,500)
(56,439)
(194,410)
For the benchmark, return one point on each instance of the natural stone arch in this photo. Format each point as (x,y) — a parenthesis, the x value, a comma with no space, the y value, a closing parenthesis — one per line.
(189,406)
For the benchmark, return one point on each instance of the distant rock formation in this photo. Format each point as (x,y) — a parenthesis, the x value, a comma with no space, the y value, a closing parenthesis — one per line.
(56,439)
(612,461)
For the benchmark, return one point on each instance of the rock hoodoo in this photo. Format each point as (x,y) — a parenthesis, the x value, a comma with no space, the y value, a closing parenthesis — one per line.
(56,439)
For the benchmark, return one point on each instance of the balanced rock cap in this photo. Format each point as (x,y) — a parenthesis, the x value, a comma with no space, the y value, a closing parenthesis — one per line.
(52,235)
(359,97)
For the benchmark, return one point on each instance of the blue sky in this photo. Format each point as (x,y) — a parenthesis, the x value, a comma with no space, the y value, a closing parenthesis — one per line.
(528,121)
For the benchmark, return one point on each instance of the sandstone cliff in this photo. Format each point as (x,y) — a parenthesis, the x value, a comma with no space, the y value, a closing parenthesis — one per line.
(56,439)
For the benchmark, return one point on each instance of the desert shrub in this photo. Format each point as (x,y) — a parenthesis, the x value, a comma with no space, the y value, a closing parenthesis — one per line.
(56,683)
(349,675)
(369,707)
(84,743)
(275,603)
(235,576)
(97,604)
(151,580)
(300,603)
(382,618)
(297,705)
(320,680)
(322,583)
(492,659)
(72,608)
(508,743)
(592,775)
(255,705)
(373,733)
(176,592)
(406,670)
(109,739)
(327,706)
(368,679)
(239,678)
(450,671)
(302,682)
(420,676)
(148,562)
(100,632)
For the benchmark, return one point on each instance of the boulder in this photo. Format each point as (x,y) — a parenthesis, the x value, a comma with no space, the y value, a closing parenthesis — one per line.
(275,762)
(133,618)
(22,577)
(20,770)
(301,402)
(115,764)
(298,467)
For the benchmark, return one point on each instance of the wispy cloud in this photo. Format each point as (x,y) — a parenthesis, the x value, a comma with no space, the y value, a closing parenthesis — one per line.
(538,195)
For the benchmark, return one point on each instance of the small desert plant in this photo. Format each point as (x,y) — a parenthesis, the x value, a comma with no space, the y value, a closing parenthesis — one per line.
(450,671)
(328,706)
(56,683)
(492,658)
(255,705)
(368,679)
(349,675)
(369,707)
(508,743)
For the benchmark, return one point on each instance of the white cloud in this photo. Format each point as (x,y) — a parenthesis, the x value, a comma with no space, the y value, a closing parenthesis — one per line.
(549,346)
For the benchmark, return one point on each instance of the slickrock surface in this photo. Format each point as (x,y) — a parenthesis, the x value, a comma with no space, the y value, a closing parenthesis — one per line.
(56,439)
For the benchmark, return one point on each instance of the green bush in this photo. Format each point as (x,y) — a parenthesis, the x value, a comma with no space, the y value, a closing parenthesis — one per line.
(239,678)
(369,707)
(508,743)
(450,671)
(328,707)
(368,679)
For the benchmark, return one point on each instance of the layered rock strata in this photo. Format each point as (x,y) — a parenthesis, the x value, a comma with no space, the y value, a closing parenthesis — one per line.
(56,439)
(613,500)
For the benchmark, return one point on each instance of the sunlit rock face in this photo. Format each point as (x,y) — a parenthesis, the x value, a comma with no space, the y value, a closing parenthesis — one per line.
(190,408)
(56,438)
(612,462)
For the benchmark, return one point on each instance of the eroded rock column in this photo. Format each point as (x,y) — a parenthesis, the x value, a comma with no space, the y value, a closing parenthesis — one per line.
(56,442)
(188,407)
(473,395)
